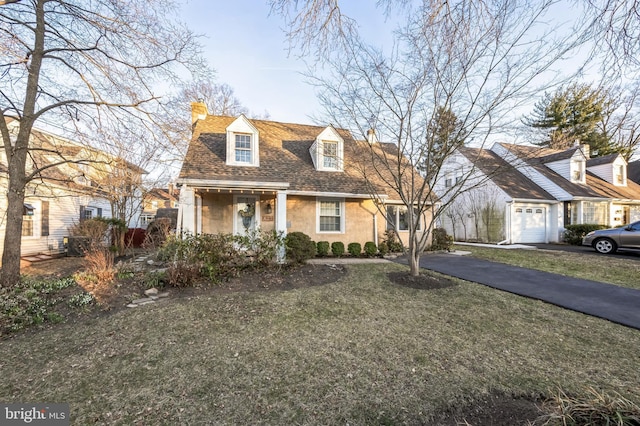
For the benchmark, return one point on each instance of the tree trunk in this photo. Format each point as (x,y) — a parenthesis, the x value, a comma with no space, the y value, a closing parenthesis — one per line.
(13,235)
(414,263)
(17,160)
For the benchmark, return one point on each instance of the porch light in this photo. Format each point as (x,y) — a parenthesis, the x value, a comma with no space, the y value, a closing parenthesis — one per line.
(268,208)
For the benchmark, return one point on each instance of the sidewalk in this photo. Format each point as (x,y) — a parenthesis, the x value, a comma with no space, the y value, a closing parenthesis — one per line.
(618,304)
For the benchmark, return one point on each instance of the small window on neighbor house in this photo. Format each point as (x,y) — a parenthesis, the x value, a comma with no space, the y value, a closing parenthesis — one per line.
(27,220)
(529,211)
(243,148)
(619,171)
(538,210)
(448,182)
(518,210)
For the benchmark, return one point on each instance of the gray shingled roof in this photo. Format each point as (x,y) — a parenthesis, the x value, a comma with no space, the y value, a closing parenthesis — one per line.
(503,174)
(284,157)
(595,187)
(633,171)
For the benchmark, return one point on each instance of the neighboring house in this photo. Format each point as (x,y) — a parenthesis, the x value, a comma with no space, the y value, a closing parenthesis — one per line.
(158,198)
(63,194)
(241,174)
(524,194)
(633,171)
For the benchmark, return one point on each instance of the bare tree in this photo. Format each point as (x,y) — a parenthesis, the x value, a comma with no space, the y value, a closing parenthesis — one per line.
(80,65)
(219,98)
(614,26)
(478,60)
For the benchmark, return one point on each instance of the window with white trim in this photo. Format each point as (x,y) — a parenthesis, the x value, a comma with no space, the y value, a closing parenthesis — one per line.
(398,218)
(327,151)
(330,155)
(618,174)
(28,214)
(577,171)
(242,143)
(243,148)
(595,212)
(330,215)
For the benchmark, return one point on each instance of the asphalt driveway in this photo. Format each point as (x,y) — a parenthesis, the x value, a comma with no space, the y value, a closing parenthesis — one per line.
(618,304)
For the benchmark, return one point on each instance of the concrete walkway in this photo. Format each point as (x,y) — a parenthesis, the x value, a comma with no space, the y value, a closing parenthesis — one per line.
(618,304)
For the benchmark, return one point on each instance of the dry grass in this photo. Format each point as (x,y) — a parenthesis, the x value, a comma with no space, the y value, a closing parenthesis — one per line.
(99,274)
(607,269)
(596,408)
(361,351)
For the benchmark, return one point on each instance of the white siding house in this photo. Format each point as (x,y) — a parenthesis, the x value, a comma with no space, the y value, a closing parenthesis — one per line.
(62,195)
(535,192)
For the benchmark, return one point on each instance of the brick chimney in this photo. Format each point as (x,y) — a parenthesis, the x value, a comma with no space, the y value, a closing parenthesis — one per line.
(199,111)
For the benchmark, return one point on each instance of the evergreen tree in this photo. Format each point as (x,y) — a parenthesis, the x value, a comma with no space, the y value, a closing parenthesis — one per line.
(574,114)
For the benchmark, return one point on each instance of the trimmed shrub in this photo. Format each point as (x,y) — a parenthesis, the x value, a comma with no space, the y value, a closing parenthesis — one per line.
(383,248)
(354,249)
(574,234)
(370,249)
(322,248)
(441,241)
(337,248)
(391,240)
(299,247)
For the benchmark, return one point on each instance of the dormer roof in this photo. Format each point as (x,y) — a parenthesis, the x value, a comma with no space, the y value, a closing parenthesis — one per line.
(605,159)
(284,158)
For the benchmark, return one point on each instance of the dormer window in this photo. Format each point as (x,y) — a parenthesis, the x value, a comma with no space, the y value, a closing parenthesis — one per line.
(327,151)
(243,149)
(242,143)
(619,178)
(577,171)
(330,154)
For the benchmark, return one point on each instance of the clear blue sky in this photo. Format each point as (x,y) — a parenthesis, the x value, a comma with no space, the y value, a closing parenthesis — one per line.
(247,47)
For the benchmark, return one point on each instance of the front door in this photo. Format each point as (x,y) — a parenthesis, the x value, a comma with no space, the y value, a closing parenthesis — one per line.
(246,214)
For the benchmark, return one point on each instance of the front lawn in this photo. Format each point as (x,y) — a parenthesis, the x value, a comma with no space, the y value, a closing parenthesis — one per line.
(358,351)
(595,267)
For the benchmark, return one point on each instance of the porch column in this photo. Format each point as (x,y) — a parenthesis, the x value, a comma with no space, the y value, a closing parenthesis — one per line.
(579,212)
(186,211)
(281,220)
(198,212)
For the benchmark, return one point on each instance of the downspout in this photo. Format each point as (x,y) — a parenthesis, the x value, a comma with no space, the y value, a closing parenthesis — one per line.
(507,223)
(375,229)
(179,220)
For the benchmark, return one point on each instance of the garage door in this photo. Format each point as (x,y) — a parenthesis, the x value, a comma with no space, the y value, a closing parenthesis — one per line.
(529,224)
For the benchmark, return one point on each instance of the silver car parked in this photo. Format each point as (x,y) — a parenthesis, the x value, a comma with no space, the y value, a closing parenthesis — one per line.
(609,240)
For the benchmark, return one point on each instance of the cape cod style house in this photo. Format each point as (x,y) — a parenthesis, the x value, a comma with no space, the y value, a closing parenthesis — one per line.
(241,174)
(68,189)
(525,194)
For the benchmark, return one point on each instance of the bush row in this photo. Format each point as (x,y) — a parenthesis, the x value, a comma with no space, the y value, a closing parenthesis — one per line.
(217,257)
(574,234)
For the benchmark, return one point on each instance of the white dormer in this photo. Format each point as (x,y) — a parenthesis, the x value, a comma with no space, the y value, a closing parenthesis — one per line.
(327,152)
(572,168)
(611,168)
(577,169)
(242,143)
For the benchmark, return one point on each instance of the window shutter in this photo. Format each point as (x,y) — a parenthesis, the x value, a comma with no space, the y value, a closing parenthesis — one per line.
(45,219)
(82,213)
(99,212)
